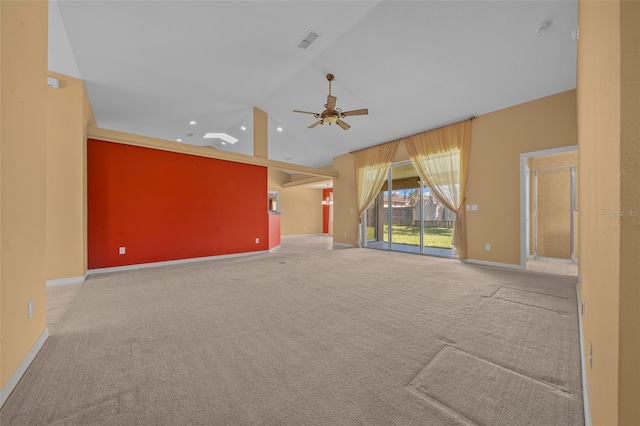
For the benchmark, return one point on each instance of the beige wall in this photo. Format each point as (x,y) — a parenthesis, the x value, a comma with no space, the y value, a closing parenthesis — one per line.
(553,230)
(260,133)
(67,115)
(345,208)
(23,74)
(629,386)
(300,206)
(553,191)
(609,137)
(497,140)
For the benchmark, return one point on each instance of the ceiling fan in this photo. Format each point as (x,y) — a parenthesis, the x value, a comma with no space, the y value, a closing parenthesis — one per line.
(331,114)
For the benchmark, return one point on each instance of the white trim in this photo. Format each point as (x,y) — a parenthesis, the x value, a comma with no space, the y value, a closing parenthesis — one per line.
(523,193)
(498,264)
(344,245)
(22,368)
(276,248)
(304,235)
(171,262)
(558,259)
(585,387)
(63,281)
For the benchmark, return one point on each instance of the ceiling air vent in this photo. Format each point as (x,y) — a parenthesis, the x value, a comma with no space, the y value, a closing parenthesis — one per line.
(308,38)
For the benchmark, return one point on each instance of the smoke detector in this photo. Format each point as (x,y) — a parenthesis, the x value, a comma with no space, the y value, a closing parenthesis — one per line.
(543,27)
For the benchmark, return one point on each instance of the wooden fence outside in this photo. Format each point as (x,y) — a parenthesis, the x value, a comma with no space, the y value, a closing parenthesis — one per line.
(403,216)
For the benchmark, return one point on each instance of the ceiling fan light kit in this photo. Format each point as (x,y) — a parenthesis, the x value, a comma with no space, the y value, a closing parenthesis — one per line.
(331,114)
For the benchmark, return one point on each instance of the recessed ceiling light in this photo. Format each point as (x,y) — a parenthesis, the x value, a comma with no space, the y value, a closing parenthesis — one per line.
(225,137)
(178,140)
(243,128)
(192,122)
(223,143)
(279,129)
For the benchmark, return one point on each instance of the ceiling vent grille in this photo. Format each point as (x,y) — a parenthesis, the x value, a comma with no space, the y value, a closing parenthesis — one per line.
(308,38)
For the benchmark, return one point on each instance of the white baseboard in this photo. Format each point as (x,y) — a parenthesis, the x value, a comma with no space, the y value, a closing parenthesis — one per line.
(585,387)
(171,262)
(556,259)
(272,249)
(498,264)
(304,235)
(64,281)
(22,368)
(344,245)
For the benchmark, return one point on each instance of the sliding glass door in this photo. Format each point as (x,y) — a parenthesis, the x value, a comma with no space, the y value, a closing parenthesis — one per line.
(405,208)
(437,225)
(376,222)
(406,217)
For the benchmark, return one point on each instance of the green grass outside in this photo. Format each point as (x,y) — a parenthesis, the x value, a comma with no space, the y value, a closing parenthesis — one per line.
(410,235)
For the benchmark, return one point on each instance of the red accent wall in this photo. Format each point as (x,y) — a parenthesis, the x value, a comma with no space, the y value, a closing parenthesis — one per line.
(163,205)
(274,230)
(325,210)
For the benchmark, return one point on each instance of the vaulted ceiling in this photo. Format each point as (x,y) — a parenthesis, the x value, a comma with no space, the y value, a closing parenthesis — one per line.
(152,67)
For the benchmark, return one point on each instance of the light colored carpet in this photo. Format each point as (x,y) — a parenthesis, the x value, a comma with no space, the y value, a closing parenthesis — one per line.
(342,337)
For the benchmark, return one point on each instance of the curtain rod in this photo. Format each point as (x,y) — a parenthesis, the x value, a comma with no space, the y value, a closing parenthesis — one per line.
(473,117)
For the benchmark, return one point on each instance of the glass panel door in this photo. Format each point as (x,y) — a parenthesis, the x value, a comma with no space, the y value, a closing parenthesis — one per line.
(406,214)
(405,208)
(376,220)
(437,226)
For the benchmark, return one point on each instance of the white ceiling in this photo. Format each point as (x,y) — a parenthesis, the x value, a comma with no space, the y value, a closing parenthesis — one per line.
(152,66)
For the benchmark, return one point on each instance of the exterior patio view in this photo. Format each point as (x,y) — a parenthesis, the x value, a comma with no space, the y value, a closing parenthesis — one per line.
(420,223)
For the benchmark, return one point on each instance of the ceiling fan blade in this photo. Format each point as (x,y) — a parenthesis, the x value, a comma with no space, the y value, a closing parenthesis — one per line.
(331,102)
(305,112)
(342,124)
(315,124)
(363,111)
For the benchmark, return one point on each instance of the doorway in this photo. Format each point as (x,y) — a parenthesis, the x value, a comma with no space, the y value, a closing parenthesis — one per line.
(549,214)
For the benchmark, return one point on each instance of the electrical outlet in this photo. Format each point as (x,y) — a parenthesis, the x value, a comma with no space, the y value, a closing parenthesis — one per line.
(122,250)
(30,308)
(345,234)
(257,240)
(487,247)
(582,305)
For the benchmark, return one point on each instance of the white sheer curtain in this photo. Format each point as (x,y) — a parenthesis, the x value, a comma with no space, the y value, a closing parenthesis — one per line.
(372,167)
(441,157)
